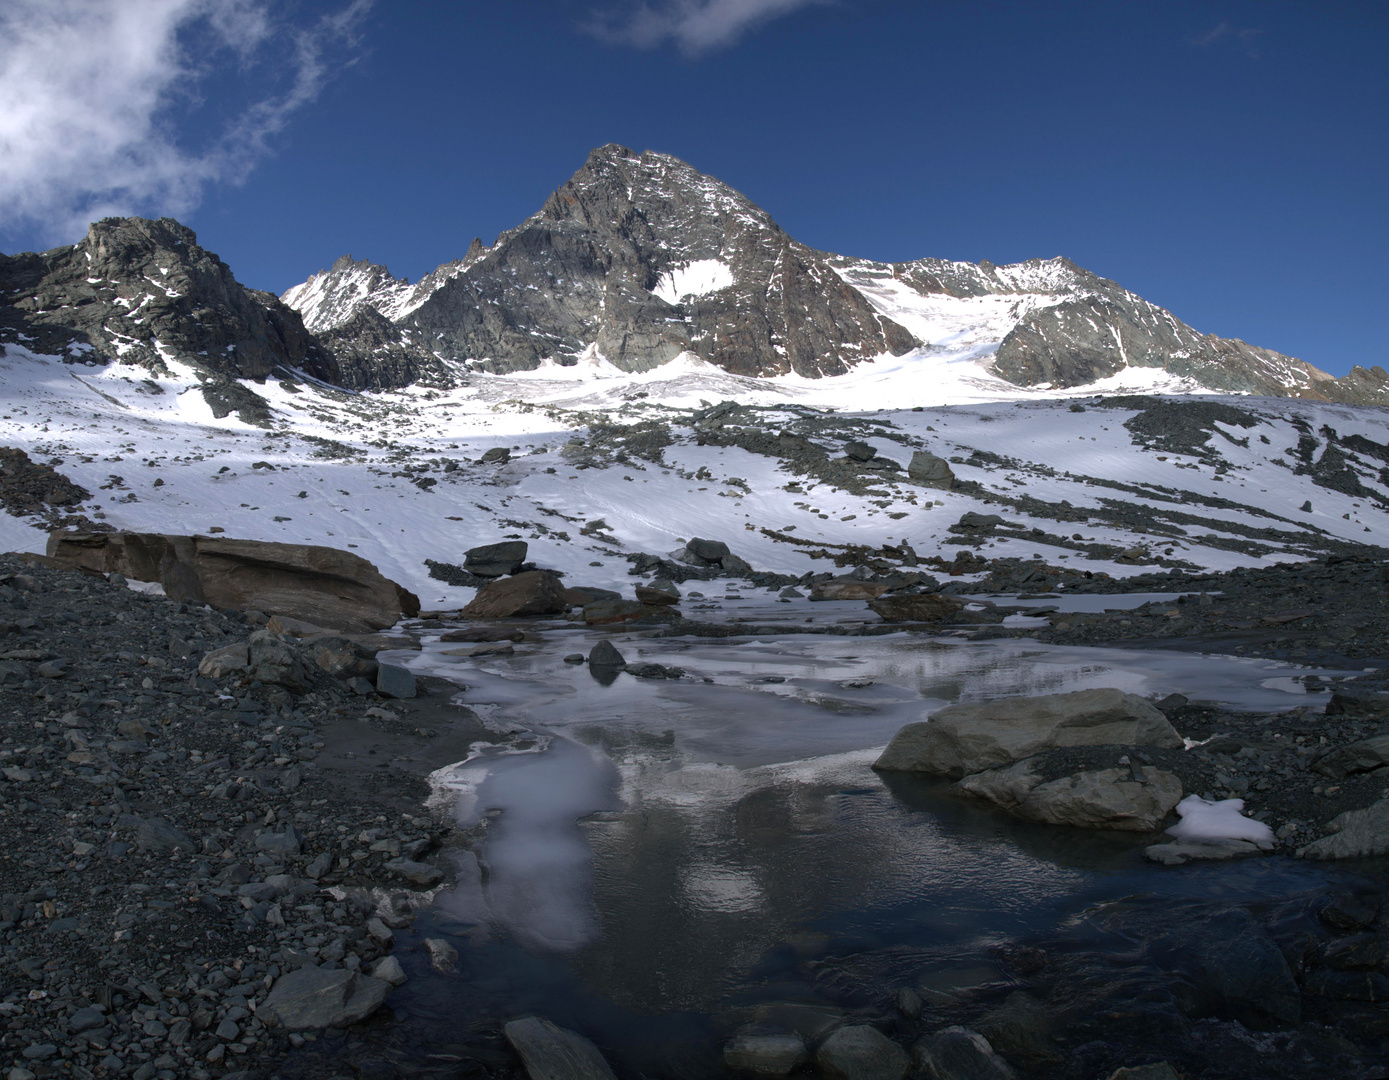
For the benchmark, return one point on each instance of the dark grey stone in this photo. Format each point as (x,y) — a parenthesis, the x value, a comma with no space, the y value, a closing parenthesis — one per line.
(395,681)
(496,560)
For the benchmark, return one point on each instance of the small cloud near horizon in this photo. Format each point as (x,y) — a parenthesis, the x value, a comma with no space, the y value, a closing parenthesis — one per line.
(95,90)
(1246,37)
(695,27)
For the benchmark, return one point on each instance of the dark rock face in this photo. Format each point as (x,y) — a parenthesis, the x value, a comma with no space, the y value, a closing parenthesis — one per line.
(642,256)
(132,287)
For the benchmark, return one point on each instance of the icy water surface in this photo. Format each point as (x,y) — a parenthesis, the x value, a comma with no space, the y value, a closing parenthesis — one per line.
(673,858)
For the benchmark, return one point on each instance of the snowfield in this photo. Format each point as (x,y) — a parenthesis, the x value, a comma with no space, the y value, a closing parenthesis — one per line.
(396,476)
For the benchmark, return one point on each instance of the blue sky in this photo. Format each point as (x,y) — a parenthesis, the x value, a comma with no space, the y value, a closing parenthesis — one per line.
(1225,160)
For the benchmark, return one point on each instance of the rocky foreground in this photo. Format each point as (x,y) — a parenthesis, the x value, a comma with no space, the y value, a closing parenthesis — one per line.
(205,873)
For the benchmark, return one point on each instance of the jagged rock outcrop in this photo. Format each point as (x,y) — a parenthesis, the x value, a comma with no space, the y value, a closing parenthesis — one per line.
(642,258)
(144,291)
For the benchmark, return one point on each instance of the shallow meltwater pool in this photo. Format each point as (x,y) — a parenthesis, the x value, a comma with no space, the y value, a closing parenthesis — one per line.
(669,860)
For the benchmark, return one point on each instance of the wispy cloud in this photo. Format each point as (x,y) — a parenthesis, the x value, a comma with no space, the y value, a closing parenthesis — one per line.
(1245,37)
(98,94)
(693,26)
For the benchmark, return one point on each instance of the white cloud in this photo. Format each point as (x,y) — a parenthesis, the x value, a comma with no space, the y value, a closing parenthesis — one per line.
(96,93)
(695,26)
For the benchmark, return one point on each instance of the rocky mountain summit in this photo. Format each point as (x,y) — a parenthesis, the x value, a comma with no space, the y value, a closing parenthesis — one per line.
(637,260)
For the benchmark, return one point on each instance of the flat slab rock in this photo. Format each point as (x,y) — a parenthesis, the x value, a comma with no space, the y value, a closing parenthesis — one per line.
(315,998)
(964,739)
(1196,849)
(550,1052)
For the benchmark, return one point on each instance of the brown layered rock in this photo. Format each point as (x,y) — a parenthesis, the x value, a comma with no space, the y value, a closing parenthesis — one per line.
(534,592)
(917,607)
(608,612)
(847,589)
(318,585)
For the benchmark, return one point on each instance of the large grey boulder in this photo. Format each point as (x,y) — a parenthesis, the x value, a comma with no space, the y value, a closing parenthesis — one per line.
(550,1052)
(496,560)
(1093,799)
(963,739)
(227,660)
(861,1052)
(957,1053)
(1355,834)
(314,998)
(274,660)
(930,471)
(766,1055)
(1357,757)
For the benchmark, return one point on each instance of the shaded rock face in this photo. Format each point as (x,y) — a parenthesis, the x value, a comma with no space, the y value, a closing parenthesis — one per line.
(534,592)
(642,257)
(964,739)
(917,607)
(1106,329)
(321,585)
(1093,799)
(138,282)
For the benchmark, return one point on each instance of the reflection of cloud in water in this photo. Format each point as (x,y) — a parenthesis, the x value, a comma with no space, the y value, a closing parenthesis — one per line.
(742,812)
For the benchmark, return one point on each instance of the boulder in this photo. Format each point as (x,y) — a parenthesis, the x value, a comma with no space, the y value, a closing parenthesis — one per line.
(342,657)
(607,612)
(496,560)
(315,998)
(1368,706)
(228,660)
(859,451)
(861,1052)
(917,607)
(658,592)
(498,455)
(963,739)
(394,681)
(930,471)
(957,1053)
(273,660)
(1094,799)
(847,588)
(605,655)
(534,592)
(1157,1071)
(1357,757)
(765,1055)
(319,585)
(1355,834)
(550,1052)
(707,552)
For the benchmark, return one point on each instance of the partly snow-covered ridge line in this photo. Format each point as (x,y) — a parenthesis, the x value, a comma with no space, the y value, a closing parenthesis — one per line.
(396,476)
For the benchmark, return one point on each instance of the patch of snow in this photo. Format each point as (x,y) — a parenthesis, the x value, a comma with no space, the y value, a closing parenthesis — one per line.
(1221,820)
(699,278)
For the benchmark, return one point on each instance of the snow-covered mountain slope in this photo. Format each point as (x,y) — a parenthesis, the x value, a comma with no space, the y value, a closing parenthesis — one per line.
(640,258)
(606,464)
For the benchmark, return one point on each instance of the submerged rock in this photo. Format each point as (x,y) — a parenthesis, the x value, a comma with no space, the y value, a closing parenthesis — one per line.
(861,1052)
(550,1052)
(964,739)
(1201,849)
(957,1053)
(766,1055)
